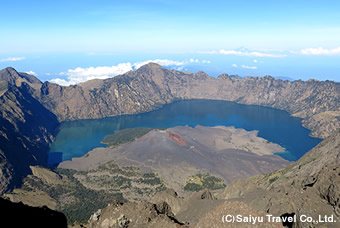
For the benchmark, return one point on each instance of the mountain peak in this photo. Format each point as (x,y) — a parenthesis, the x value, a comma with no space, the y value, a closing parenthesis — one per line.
(13,77)
(201,75)
(150,69)
(223,76)
(9,74)
(10,69)
(151,66)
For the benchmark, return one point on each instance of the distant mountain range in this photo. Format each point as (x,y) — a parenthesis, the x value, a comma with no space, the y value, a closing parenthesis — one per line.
(276,77)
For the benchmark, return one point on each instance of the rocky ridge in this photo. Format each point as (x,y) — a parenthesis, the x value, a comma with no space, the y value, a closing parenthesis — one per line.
(200,210)
(26,128)
(309,186)
(132,214)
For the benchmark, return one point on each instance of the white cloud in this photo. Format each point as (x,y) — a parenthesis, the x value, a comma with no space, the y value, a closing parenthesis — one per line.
(245,66)
(198,61)
(31,73)
(194,60)
(249,67)
(60,81)
(181,68)
(320,51)
(255,61)
(243,52)
(12,59)
(75,76)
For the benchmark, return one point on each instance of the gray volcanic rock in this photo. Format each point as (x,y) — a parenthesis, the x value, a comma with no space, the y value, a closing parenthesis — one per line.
(132,214)
(177,154)
(162,212)
(310,186)
(171,198)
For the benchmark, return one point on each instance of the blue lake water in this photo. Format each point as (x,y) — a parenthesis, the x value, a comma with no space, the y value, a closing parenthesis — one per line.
(78,137)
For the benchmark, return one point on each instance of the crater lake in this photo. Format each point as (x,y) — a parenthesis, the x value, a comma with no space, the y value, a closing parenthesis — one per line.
(76,138)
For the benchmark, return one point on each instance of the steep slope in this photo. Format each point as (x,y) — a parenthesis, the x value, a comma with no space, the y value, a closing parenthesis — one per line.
(323,124)
(310,186)
(133,92)
(26,129)
(10,75)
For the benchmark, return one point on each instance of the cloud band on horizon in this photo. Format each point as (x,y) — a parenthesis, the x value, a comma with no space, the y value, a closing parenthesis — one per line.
(320,51)
(12,59)
(243,52)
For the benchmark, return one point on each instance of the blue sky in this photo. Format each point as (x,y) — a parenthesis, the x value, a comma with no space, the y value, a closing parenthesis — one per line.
(296,39)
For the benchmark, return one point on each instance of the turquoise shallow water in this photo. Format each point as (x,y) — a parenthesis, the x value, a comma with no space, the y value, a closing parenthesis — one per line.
(78,137)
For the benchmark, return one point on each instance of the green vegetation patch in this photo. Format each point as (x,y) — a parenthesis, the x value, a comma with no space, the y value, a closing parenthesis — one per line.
(77,202)
(202,181)
(113,181)
(81,193)
(125,136)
